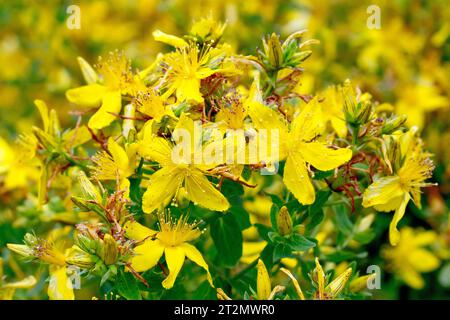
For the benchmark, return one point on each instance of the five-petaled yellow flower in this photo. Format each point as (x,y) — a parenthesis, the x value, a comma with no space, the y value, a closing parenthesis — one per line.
(165,183)
(410,257)
(299,146)
(187,66)
(171,240)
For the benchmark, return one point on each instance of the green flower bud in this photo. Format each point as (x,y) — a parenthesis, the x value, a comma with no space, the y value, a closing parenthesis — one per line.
(393,123)
(272,50)
(77,257)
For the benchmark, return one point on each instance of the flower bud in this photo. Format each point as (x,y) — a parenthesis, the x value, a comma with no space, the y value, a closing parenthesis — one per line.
(21,249)
(77,257)
(221,295)
(393,123)
(263,285)
(272,50)
(86,244)
(338,284)
(360,283)
(90,191)
(357,111)
(109,251)
(284,221)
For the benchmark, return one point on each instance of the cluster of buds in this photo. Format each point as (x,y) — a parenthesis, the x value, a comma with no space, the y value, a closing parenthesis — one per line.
(98,252)
(361,117)
(289,54)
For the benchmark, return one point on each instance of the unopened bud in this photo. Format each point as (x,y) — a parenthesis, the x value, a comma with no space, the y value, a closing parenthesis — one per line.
(272,48)
(284,221)
(360,283)
(80,258)
(338,284)
(393,123)
(109,252)
(221,295)
(263,285)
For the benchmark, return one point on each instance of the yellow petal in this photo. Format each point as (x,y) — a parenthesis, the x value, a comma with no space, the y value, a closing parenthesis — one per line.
(43,111)
(266,118)
(200,190)
(136,231)
(394,234)
(263,284)
(175,259)
(322,157)
(147,255)
(189,90)
(87,96)
(174,41)
(391,205)
(297,180)
(425,238)
(60,286)
(124,184)
(194,255)
(163,185)
(340,126)
(423,261)
(320,279)
(88,72)
(309,123)
(118,153)
(76,137)
(156,148)
(382,191)
(413,279)
(112,103)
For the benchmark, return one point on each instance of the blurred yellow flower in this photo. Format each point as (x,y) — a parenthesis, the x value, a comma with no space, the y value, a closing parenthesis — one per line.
(410,257)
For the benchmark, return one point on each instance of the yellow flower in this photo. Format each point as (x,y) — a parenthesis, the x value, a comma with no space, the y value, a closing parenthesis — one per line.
(48,251)
(187,66)
(410,258)
(151,104)
(118,165)
(416,101)
(116,79)
(165,183)
(16,168)
(172,241)
(394,192)
(299,146)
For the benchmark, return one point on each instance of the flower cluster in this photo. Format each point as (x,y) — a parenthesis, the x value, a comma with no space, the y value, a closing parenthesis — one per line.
(220,158)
